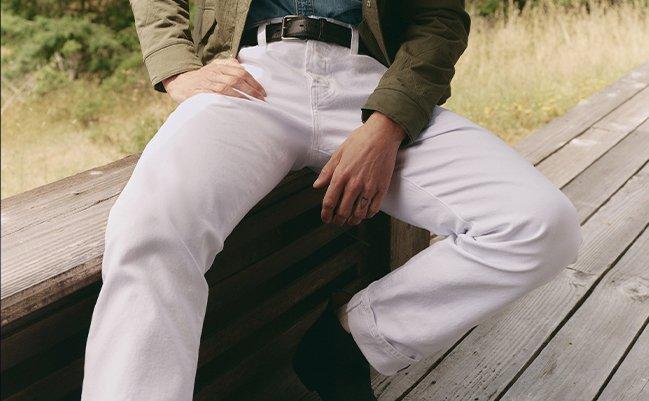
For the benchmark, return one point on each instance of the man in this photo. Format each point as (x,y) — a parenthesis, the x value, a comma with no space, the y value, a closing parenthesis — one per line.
(353,94)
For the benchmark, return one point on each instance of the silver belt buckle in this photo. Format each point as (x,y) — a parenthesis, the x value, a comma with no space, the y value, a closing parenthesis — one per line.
(283,31)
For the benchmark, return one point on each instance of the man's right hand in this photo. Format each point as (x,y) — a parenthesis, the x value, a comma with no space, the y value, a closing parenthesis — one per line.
(224,76)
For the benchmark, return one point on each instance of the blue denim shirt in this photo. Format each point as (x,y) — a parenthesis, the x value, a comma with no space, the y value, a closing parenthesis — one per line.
(348,11)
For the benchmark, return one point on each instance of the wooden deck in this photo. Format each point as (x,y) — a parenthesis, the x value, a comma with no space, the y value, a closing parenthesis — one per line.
(583,336)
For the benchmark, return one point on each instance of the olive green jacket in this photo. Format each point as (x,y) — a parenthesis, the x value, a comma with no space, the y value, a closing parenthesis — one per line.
(418,40)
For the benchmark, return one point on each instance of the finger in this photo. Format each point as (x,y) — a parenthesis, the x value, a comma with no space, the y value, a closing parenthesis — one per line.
(243,74)
(236,83)
(218,87)
(346,206)
(327,172)
(360,208)
(330,200)
(375,204)
(229,91)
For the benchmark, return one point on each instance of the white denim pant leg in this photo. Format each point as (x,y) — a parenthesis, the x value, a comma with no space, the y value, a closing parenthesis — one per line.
(215,157)
(209,164)
(508,229)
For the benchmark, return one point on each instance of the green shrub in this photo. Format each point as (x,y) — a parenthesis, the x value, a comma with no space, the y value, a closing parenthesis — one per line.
(72,45)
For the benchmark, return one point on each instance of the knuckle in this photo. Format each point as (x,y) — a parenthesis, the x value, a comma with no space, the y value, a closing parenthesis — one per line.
(344,211)
(355,184)
(336,183)
(344,175)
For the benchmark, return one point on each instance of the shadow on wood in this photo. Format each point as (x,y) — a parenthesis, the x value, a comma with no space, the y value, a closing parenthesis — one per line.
(266,287)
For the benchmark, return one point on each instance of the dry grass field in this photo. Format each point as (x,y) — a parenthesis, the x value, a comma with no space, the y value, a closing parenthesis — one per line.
(519,72)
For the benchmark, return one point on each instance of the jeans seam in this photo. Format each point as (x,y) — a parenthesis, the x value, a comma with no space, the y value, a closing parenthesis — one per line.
(456,214)
(374,331)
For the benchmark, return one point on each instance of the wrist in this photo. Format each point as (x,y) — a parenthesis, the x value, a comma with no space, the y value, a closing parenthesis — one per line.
(388,126)
(167,81)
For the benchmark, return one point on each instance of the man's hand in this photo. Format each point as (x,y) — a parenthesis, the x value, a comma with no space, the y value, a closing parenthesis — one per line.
(359,172)
(224,76)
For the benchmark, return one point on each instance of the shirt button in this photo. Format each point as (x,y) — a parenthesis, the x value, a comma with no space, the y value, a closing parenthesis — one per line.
(368,3)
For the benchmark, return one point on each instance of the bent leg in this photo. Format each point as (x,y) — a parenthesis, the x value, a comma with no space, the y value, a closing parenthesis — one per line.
(208,165)
(508,230)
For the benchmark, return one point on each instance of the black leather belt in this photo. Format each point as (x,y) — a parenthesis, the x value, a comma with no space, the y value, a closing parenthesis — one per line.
(301,27)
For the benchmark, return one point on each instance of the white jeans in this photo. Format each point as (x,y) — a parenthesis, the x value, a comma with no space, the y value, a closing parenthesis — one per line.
(508,229)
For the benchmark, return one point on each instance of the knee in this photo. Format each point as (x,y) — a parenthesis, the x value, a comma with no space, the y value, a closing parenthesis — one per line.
(547,235)
(534,235)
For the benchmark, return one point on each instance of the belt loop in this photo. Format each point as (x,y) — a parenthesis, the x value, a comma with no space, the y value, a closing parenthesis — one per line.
(353,45)
(261,34)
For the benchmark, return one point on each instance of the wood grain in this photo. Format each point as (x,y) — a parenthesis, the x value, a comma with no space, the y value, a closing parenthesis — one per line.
(631,380)
(589,190)
(552,136)
(580,152)
(579,358)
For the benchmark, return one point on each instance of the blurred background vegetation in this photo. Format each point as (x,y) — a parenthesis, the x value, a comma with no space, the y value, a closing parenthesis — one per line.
(75,94)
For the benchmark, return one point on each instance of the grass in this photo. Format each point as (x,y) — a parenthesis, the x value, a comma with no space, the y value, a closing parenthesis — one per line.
(518,73)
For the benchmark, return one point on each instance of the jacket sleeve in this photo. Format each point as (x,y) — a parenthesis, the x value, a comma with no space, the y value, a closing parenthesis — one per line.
(165,38)
(433,38)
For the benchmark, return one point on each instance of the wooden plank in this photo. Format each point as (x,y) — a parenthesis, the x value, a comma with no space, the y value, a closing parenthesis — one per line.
(60,246)
(491,356)
(589,190)
(43,334)
(394,387)
(407,240)
(223,385)
(53,386)
(631,380)
(580,357)
(66,196)
(263,270)
(547,139)
(217,342)
(583,150)
(45,262)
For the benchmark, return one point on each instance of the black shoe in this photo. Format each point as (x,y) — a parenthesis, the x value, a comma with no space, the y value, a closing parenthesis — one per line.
(329,362)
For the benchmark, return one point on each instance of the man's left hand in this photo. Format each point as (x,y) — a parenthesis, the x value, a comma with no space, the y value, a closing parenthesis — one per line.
(358,174)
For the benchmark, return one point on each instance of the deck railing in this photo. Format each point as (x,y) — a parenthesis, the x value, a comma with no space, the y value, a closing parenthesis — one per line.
(266,286)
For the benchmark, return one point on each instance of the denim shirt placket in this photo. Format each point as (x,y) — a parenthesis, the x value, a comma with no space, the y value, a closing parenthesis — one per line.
(304,7)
